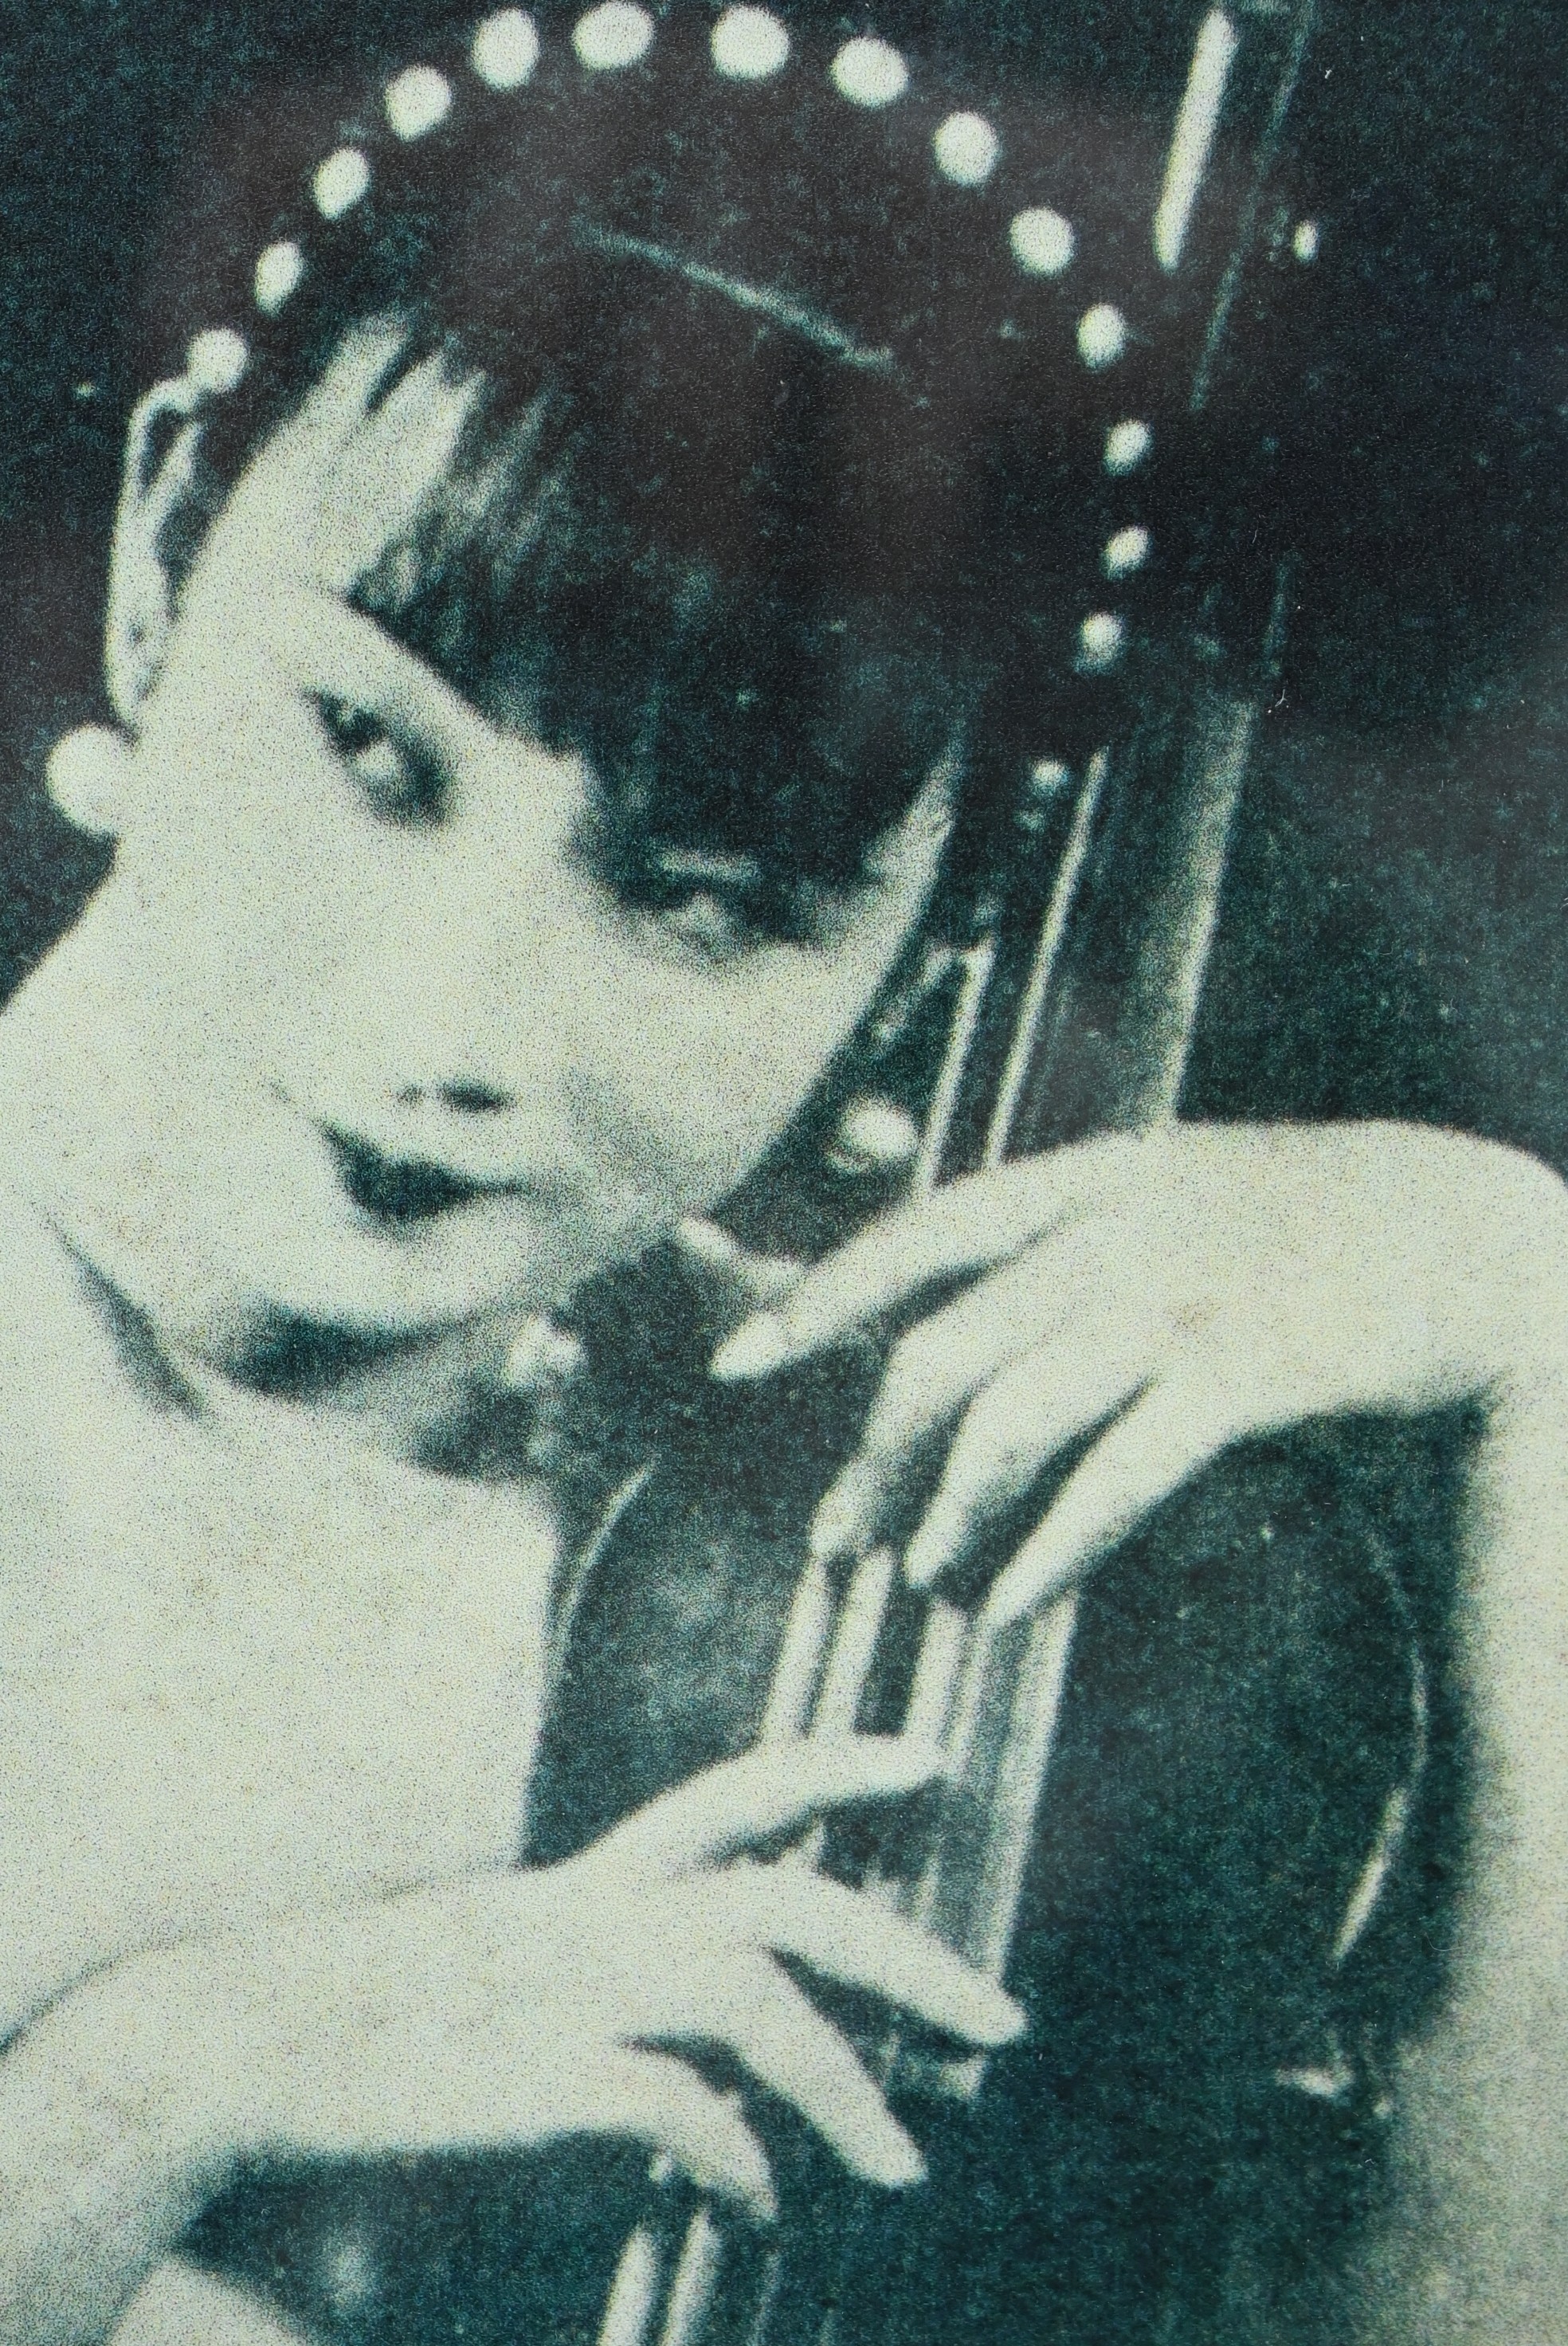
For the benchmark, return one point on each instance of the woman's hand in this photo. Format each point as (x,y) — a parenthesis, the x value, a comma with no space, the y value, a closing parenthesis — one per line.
(1157,1299)
(521,2007)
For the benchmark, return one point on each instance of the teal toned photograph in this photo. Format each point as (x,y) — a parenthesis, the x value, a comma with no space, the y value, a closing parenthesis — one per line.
(783,1231)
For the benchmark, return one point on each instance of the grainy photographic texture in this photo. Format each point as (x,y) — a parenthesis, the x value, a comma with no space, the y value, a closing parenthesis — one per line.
(783,1303)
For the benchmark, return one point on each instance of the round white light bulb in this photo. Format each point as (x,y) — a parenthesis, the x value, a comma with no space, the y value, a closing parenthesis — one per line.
(750,44)
(615,35)
(505,49)
(870,72)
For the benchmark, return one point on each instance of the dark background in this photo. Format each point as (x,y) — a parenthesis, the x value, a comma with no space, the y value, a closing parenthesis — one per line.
(1392,940)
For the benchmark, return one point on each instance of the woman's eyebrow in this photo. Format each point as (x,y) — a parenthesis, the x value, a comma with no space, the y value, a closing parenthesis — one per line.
(333,637)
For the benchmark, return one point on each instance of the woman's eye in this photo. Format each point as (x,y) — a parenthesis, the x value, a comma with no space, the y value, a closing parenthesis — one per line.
(398,783)
(716,904)
(717,927)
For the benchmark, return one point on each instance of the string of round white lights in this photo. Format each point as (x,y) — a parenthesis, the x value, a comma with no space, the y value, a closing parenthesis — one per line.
(747,44)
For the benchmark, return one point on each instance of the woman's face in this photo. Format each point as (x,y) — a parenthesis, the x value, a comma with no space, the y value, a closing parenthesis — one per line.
(402,1052)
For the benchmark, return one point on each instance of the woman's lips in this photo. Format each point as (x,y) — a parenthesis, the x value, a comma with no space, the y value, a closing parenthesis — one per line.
(399,1191)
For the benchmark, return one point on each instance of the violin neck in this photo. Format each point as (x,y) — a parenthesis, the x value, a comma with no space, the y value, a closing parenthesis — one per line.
(1081,1020)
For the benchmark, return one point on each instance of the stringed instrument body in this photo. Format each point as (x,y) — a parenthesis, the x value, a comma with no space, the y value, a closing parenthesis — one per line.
(1234,1720)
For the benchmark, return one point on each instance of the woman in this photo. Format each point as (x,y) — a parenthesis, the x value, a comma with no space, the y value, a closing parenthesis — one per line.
(533,769)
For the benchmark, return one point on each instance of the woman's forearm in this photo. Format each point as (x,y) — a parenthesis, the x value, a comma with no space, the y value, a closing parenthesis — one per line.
(116,2125)
(1472,2248)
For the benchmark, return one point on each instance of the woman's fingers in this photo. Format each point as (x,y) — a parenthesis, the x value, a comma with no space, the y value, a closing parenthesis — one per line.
(1009,1436)
(1145,1455)
(657,2098)
(773,1789)
(1055,1333)
(965,1227)
(932,1373)
(852,1939)
(789,2047)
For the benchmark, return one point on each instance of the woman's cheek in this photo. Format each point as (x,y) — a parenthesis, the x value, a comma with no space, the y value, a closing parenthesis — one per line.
(727,1065)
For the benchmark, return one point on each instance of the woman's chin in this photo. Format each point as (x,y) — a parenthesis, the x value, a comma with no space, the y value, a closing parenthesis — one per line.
(296,1356)
(370,1292)
(230,1266)
(380,1290)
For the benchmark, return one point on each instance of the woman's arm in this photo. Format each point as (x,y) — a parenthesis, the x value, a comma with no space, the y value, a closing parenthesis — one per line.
(1472,2248)
(180,2306)
(510,2008)
(119,2117)
(1144,1304)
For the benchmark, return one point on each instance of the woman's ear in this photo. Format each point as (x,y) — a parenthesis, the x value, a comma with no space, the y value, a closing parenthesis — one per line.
(140,610)
(161,458)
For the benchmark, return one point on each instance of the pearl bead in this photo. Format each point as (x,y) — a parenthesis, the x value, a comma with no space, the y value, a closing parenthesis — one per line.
(417,100)
(217,359)
(1126,445)
(966,148)
(616,33)
(278,272)
(1043,241)
(1100,640)
(1101,335)
(869,73)
(750,44)
(505,49)
(1127,551)
(340,182)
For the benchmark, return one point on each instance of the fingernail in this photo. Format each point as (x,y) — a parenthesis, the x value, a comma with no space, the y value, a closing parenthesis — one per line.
(541,1353)
(707,1242)
(837,1527)
(1005,2017)
(903,2164)
(753,2192)
(927,1556)
(758,1345)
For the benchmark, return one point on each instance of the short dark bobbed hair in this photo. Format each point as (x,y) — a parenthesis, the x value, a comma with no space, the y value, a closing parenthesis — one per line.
(781,484)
